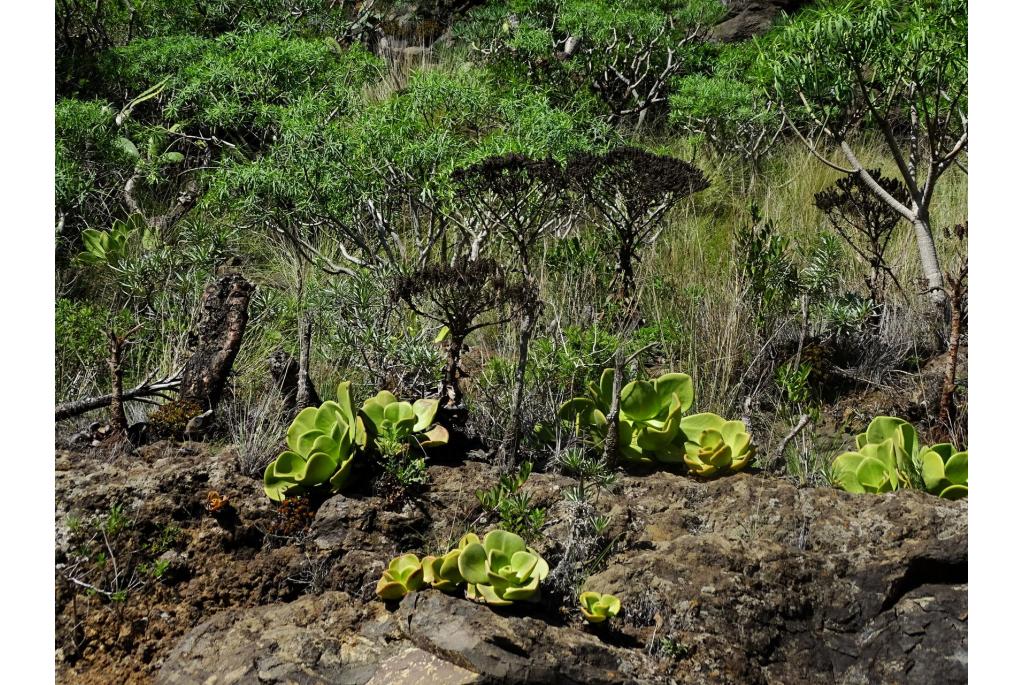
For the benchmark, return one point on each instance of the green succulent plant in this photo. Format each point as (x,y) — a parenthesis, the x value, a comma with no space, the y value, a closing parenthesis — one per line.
(109,247)
(944,471)
(649,415)
(872,468)
(403,575)
(715,446)
(501,569)
(890,457)
(398,421)
(904,439)
(102,247)
(442,573)
(598,608)
(322,442)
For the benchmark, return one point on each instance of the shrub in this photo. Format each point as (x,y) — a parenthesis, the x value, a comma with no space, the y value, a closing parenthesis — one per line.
(516,510)
(170,419)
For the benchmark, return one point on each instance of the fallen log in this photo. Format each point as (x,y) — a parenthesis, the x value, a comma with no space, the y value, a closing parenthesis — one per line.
(142,391)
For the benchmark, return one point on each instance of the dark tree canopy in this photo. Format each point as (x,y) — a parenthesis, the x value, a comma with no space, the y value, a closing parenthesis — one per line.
(459,295)
(631,190)
(519,198)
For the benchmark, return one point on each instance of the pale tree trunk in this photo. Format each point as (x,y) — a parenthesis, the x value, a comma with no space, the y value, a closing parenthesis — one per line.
(305,395)
(510,445)
(929,257)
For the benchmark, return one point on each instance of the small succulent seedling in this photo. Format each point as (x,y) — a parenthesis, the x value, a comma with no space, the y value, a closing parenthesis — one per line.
(501,569)
(598,608)
(442,573)
(322,442)
(403,575)
(944,471)
(715,446)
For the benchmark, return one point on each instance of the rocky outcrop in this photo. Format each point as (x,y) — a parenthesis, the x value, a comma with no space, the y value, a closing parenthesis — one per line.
(316,639)
(507,647)
(746,579)
(747,18)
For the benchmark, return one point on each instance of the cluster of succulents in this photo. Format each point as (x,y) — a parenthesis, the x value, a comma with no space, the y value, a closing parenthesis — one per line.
(890,457)
(652,427)
(498,570)
(323,441)
(398,421)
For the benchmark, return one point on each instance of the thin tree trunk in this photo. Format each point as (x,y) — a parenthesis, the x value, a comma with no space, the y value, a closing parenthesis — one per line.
(451,392)
(611,440)
(929,257)
(949,379)
(624,265)
(118,420)
(306,395)
(512,433)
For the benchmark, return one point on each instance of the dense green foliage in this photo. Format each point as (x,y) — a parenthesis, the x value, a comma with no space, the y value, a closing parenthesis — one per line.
(558,146)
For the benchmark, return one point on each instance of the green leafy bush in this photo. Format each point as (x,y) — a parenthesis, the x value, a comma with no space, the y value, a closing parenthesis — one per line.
(515,508)
(322,442)
(598,608)
(501,569)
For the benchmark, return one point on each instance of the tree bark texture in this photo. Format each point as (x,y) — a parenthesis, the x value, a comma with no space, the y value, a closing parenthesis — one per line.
(306,394)
(512,433)
(949,378)
(611,440)
(284,370)
(451,393)
(118,420)
(218,337)
(146,390)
